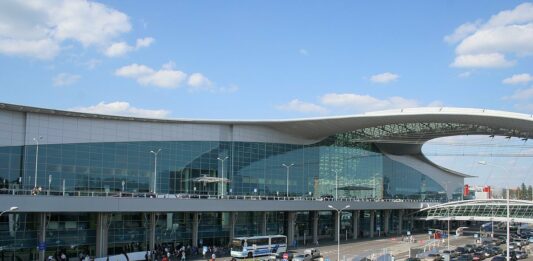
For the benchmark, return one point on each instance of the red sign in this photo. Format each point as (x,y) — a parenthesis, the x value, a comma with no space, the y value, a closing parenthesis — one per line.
(466,190)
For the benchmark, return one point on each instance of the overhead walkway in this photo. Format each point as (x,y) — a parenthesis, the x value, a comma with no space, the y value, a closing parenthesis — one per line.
(480,210)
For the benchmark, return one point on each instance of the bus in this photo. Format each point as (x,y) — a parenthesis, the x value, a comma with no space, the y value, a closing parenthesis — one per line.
(258,246)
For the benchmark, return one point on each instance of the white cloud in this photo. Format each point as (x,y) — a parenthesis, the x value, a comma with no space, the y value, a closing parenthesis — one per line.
(521,94)
(166,77)
(491,60)
(464,74)
(384,77)
(303,52)
(92,63)
(462,32)
(38,28)
(300,106)
(122,48)
(229,89)
(123,109)
(64,79)
(144,42)
(199,81)
(352,103)
(518,78)
(509,32)
(359,103)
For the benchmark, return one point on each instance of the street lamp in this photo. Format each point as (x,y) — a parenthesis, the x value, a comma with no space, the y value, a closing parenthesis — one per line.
(287,166)
(155,168)
(36,158)
(339,228)
(222,179)
(482,162)
(336,183)
(8,210)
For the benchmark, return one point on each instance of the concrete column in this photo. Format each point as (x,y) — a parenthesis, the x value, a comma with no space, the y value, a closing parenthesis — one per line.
(386,221)
(355,223)
(315,226)
(42,233)
(400,221)
(102,234)
(372,222)
(232,222)
(337,225)
(151,237)
(195,221)
(291,221)
(264,223)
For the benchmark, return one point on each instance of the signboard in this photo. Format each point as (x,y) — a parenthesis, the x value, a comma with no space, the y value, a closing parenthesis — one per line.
(285,256)
(408,233)
(42,246)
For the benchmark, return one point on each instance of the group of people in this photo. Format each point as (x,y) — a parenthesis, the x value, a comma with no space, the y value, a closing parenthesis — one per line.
(181,252)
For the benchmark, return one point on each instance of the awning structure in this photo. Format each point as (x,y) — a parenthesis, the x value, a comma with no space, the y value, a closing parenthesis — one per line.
(206,179)
(480,210)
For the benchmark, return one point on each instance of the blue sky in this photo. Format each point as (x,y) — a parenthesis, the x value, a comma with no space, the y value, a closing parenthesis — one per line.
(265,59)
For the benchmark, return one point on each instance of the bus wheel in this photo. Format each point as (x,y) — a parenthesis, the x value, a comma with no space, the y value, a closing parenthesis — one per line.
(250,255)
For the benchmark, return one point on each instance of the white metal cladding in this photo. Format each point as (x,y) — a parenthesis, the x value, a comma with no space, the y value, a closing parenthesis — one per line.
(73,127)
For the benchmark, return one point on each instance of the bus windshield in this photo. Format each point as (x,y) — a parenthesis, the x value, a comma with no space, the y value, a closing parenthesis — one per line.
(237,244)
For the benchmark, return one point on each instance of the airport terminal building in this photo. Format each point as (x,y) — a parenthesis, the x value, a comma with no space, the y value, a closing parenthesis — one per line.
(101,183)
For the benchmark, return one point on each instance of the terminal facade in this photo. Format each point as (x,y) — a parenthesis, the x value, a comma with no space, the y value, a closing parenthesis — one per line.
(102,184)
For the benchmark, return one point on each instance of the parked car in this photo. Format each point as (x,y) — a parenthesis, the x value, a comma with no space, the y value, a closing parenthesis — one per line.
(313,252)
(302,258)
(470,248)
(465,257)
(499,258)
(434,257)
(521,254)
(452,253)
(460,250)
(477,256)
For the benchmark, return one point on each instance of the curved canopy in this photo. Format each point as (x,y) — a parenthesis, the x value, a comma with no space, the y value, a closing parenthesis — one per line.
(480,210)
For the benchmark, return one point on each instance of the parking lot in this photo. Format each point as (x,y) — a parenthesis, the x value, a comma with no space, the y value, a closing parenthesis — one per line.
(373,248)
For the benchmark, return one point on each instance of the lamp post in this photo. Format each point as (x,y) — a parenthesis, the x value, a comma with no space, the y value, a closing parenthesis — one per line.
(482,162)
(9,210)
(288,167)
(36,158)
(155,168)
(222,172)
(339,228)
(336,183)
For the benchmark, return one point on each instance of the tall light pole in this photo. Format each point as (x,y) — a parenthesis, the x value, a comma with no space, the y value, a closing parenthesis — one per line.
(155,168)
(222,179)
(36,158)
(482,162)
(336,183)
(339,228)
(288,167)
(9,210)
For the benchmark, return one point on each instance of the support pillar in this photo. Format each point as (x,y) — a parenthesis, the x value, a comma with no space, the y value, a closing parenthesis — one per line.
(195,221)
(264,223)
(315,227)
(337,225)
(151,237)
(291,220)
(400,221)
(372,222)
(386,221)
(42,234)
(102,234)
(355,223)
(233,221)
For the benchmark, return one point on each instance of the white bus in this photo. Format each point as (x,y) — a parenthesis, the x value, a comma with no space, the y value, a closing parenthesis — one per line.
(258,246)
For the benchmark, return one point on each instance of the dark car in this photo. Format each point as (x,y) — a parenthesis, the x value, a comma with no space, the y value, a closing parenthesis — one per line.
(412,259)
(460,250)
(327,197)
(470,248)
(451,253)
(465,257)
(499,258)
(477,256)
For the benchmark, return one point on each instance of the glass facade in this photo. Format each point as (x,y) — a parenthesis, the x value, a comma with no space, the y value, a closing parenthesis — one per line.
(360,170)
(338,164)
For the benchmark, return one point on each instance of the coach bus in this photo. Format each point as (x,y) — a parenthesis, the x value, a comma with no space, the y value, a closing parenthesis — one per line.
(258,246)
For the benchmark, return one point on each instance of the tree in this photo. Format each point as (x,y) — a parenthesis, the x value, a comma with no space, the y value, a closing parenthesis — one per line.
(530,192)
(523,191)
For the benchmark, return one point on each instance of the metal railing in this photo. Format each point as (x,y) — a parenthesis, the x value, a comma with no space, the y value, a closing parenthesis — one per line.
(125,194)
